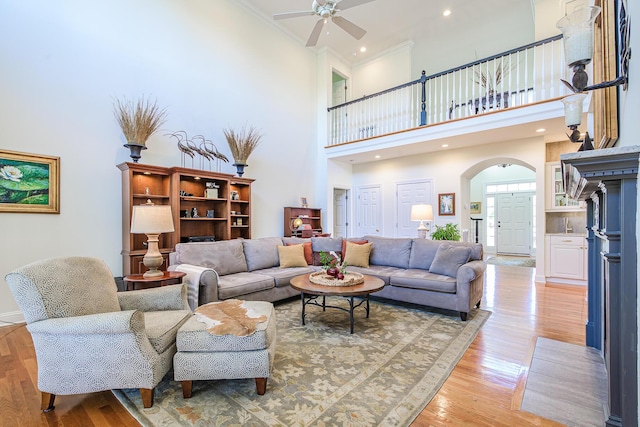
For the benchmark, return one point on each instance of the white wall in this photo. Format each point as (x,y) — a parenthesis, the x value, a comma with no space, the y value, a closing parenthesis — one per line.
(212,64)
(390,69)
(448,169)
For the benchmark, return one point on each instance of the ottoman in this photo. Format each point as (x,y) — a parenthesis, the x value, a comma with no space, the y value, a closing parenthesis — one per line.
(204,356)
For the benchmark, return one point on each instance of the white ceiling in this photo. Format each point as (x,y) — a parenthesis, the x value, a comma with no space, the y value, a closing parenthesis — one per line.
(474,30)
(391,22)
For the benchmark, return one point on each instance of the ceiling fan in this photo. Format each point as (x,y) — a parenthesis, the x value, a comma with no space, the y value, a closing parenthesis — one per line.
(326,9)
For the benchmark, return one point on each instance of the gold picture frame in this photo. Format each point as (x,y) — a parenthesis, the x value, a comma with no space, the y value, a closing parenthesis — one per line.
(475,207)
(605,62)
(29,183)
(446,204)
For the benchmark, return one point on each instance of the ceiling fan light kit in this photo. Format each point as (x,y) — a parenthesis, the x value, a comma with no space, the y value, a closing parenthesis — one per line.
(326,9)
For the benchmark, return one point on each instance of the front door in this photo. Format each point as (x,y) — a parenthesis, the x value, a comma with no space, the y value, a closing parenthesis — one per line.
(514,217)
(369,211)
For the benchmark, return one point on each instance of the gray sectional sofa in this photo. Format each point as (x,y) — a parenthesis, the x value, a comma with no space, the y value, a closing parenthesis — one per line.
(442,274)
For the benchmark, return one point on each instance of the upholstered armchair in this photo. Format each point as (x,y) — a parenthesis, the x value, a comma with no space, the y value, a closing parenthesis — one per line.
(87,336)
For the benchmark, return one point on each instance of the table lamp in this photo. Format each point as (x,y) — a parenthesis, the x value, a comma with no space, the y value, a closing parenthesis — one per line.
(152,220)
(422,213)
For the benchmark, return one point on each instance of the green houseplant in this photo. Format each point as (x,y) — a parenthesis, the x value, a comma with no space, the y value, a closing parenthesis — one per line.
(448,232)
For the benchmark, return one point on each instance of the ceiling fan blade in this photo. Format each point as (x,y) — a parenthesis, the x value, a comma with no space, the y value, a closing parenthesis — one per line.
(349,27)
(315,33)
(287,15)
(346,4)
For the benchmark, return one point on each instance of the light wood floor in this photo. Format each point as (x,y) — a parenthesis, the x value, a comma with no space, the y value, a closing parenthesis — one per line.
(485,388)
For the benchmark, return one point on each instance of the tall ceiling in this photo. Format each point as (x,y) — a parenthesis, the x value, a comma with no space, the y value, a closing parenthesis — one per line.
(472,23)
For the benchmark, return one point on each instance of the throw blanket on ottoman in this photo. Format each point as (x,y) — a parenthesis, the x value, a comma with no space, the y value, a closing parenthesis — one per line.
(229,317)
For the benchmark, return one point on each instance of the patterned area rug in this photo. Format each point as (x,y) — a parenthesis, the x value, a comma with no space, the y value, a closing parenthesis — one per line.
(512,261)
(384,374)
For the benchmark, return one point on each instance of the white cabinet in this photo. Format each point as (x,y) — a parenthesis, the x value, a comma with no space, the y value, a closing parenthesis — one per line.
(557,200)
(566,259)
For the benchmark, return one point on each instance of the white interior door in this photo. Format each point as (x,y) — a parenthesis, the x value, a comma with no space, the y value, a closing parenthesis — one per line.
(408,194)
(514,223)
(369,210)
(340,212)
(339,92)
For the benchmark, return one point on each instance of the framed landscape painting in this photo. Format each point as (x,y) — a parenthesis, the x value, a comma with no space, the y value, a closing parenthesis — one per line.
(446,204)
(29,183)
(475,207)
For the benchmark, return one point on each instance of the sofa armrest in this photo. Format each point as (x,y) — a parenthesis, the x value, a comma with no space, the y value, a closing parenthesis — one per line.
(207,278)
(117,322)
(469,271)
(172,297)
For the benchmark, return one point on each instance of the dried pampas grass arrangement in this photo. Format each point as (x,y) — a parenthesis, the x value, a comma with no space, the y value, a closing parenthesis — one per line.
(140,120)
(242,143)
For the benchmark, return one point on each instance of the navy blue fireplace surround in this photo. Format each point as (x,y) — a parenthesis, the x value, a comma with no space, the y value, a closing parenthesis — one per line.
(607,180)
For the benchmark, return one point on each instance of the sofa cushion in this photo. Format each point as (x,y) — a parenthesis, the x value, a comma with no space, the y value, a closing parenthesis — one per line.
(283,276)
(393,252)
(225,257)
(291,256)
(477,252)
(422,253)
(238,284)
(325,244)
(262,253)
(380,271)
(449,258)
(308,251)
(358,254)
(162,327)
(423,280)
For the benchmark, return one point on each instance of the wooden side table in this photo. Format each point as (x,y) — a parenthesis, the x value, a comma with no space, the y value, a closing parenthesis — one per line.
(139,281)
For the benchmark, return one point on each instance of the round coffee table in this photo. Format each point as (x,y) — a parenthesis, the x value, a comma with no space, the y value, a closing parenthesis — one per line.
(309,293)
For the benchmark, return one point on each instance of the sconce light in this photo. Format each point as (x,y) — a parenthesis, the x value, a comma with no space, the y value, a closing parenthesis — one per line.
(422,213)
(577,34)
(152,220)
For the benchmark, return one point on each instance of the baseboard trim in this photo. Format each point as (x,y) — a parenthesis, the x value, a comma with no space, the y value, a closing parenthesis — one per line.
(10,318)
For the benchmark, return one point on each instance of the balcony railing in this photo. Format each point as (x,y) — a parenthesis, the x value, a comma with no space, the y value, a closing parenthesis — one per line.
(521,76)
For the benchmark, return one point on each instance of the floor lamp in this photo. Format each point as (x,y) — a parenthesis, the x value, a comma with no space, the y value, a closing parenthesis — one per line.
(152,220)
(422,213)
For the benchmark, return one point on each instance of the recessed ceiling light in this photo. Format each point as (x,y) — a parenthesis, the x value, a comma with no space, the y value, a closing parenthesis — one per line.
(445,145)
(447,12)
(377,156)
(363,49)
(540,130)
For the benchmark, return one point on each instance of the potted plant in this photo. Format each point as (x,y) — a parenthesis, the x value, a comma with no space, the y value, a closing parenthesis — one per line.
(448,232)
(490,77)
(242,144)
(138,122)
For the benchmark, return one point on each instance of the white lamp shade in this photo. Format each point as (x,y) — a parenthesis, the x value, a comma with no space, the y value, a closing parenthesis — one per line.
(577,32)
(573,105)
(151,219)
(421,213)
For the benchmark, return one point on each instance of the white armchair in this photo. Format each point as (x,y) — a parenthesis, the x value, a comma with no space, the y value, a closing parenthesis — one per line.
(87,336)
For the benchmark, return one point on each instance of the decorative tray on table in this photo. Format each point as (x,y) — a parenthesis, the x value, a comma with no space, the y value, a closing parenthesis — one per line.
(322,278)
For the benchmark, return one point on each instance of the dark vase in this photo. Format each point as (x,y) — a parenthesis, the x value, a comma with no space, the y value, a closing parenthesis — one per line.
(136,149)
(240,168)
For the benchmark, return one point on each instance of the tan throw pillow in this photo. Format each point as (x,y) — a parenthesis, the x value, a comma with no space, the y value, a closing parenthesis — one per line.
(292,256)
(358,254)
(344,245)
(308,251)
